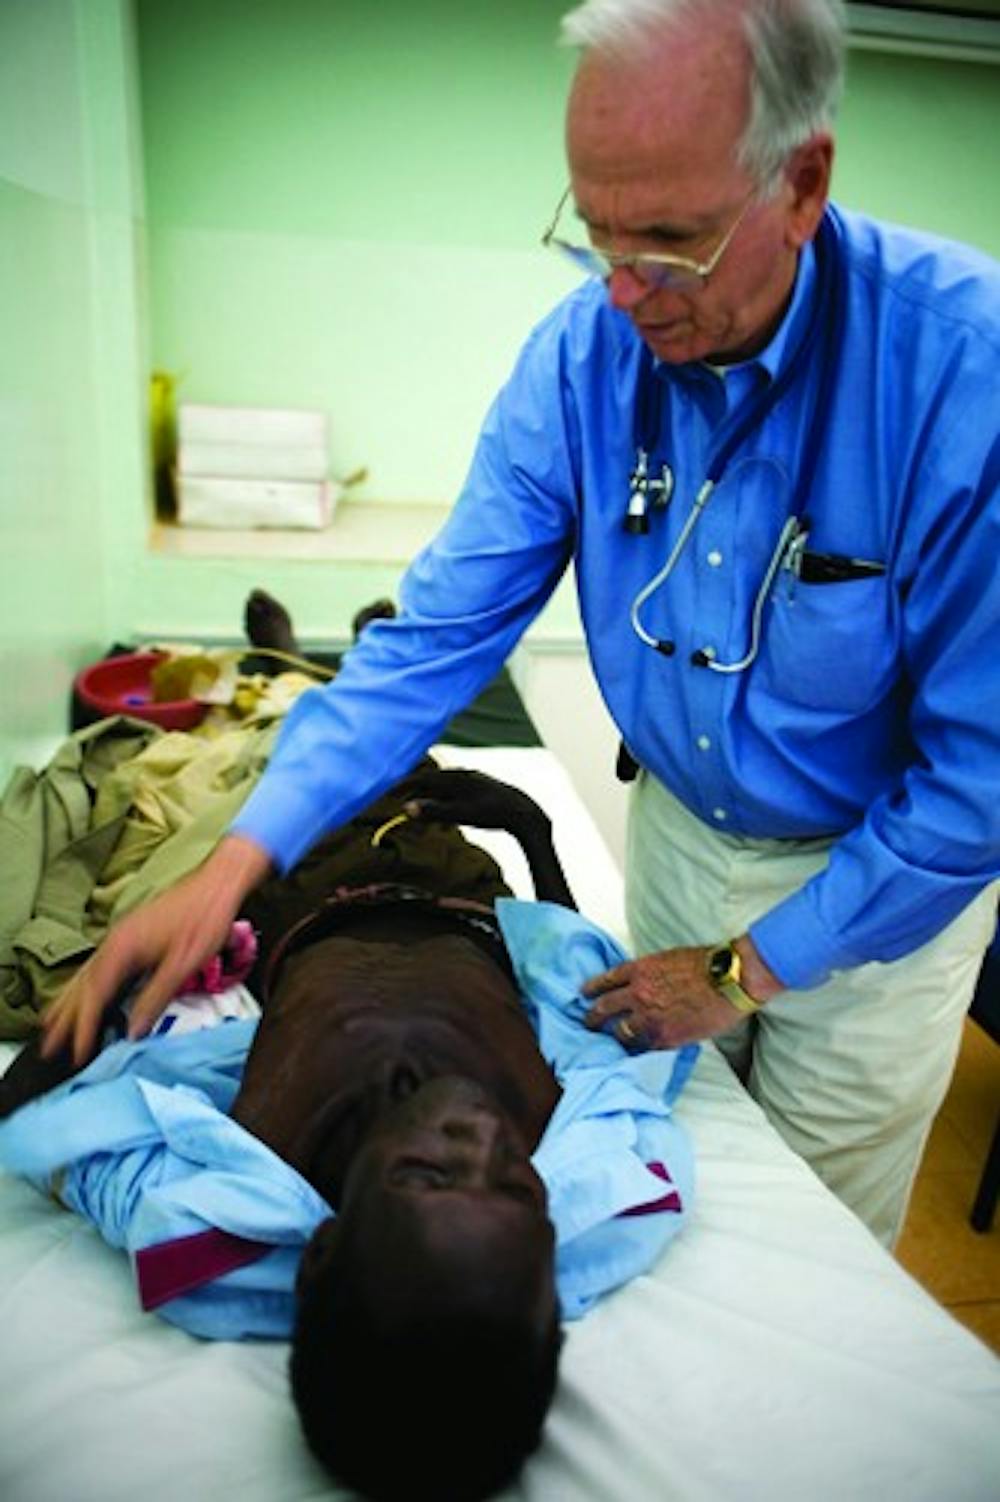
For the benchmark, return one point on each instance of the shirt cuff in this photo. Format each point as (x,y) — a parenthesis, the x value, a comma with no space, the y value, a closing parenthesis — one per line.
(280,818)
(794,944)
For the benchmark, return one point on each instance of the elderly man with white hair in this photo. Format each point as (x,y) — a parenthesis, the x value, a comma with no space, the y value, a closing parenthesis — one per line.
(765,433)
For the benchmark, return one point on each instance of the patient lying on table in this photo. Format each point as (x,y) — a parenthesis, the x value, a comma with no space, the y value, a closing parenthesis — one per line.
(421,1070)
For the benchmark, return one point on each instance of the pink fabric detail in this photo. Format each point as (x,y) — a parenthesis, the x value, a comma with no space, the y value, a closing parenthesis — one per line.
(171,1268)
(231,965)
(671,1201)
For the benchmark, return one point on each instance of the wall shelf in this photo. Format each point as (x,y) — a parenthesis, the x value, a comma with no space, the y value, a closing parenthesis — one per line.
(361,532)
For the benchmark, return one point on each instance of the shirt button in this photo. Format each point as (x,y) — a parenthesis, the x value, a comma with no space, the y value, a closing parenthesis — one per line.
(703,743)
(719,814)
(715,558)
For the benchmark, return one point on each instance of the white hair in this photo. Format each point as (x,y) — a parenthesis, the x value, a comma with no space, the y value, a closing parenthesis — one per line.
(796,62)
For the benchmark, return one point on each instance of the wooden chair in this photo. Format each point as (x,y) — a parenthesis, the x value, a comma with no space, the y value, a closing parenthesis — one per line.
(985,1010)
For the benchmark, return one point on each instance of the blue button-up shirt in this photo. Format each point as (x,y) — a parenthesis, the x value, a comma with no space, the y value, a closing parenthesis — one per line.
(871,713)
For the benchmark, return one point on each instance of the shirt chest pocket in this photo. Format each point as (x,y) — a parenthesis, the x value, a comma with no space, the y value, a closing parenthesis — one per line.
(830,646)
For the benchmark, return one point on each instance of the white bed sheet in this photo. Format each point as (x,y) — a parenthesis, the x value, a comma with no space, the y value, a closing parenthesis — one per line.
(776,1352)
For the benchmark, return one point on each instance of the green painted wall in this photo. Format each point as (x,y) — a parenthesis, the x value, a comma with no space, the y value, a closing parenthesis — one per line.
(917,144)
(67,310)
(344,209)
(372,182)
(345,202)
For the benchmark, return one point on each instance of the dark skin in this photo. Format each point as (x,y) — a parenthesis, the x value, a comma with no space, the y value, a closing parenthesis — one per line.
(394,1061)
(442,1186)
(394,1066)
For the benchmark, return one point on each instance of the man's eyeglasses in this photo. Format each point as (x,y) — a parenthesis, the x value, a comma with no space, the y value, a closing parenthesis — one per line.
(653,268)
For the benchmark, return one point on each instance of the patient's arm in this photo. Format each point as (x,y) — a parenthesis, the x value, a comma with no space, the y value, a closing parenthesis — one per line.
(458,797)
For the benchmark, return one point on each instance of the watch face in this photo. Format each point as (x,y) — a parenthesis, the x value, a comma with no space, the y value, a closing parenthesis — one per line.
(720,963)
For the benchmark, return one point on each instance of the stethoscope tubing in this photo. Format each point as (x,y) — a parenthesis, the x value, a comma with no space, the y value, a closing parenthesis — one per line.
(831,274)
(667,648)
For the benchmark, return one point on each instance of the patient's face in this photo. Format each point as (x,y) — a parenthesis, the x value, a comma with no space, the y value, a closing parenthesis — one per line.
(449,1205)
(447,1136)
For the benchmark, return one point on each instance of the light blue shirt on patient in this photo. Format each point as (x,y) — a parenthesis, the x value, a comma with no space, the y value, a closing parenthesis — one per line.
(140,1143)
(872,711)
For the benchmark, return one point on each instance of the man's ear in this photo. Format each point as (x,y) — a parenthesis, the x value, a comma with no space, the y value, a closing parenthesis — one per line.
(807,182)
(318,1252)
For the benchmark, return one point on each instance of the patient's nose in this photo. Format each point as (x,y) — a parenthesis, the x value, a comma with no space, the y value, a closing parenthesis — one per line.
(478,1139)
(403,1082)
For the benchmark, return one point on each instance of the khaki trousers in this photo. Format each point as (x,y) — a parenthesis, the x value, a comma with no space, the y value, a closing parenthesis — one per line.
(852,1072)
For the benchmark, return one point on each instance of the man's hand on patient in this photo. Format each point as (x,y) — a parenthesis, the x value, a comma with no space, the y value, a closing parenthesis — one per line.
(666,999)
(166,940)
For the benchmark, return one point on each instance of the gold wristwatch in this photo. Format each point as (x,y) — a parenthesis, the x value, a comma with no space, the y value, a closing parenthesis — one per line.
(725,971)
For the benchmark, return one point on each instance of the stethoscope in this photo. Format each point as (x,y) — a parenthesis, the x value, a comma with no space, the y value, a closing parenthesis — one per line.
(645,491)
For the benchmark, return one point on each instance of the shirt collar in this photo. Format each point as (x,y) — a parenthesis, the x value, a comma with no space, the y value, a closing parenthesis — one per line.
(788,335)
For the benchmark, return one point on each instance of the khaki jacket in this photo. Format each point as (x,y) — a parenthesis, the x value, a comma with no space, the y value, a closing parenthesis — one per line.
(120,812)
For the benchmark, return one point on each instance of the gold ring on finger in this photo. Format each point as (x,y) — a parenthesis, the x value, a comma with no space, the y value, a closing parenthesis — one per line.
(626,1031)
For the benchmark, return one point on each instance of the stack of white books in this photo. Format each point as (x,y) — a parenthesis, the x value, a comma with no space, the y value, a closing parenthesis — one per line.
(253,467)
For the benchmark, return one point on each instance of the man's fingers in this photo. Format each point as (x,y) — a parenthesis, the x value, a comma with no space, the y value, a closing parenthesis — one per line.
(55,1029)
(610,980)
(613,1001)
(160,989)
(74,1017)
(67,1023)
(160,944)
(85,1026)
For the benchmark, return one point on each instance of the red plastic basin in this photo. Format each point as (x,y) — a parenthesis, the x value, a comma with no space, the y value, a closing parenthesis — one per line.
(122,685)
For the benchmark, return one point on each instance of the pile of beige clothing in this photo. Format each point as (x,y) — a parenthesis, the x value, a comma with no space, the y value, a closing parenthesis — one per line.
(121,811)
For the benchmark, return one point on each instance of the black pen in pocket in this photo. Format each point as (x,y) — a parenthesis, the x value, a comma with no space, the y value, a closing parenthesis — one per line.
(836,568)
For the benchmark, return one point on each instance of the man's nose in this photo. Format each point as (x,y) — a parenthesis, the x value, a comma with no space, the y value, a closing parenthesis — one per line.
(626,289)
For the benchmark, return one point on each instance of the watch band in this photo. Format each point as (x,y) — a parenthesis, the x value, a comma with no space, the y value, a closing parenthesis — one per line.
(725,972)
